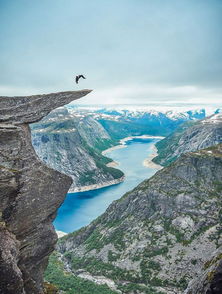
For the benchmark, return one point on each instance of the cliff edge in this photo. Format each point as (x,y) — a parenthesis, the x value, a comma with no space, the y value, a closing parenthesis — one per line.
(30,193)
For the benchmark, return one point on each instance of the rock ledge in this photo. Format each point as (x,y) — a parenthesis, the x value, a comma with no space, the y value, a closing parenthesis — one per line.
(30,193)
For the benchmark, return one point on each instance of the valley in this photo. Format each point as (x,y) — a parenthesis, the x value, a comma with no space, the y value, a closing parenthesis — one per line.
(149,230)
(164,232)
(72,139)
(79,209)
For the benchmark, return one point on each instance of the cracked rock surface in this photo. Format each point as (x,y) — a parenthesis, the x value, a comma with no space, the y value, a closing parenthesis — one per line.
(30,193)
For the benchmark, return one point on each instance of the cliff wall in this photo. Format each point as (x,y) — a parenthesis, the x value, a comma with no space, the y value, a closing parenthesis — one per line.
(30,194)
(71,144)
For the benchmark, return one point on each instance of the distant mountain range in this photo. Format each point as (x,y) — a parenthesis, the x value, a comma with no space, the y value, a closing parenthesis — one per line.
(71,139)
(143,121)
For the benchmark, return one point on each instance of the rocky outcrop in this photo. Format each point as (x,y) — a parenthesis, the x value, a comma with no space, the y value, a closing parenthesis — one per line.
(156,237)
(30,194)
(29,109)
(190,137)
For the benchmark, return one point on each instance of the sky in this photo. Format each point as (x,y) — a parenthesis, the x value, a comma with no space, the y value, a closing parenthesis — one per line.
(131,51)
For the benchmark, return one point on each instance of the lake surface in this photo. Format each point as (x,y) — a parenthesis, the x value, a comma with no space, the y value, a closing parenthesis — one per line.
(79,209)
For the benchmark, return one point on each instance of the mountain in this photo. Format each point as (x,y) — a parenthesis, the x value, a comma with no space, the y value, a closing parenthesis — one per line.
(156,237)
(72,144)
(71,140)
(127,122)
(155,116)
(191,136)
(30,194)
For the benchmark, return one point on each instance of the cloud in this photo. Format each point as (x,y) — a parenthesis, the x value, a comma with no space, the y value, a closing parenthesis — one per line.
(134,94)
(130,51)
(143,94)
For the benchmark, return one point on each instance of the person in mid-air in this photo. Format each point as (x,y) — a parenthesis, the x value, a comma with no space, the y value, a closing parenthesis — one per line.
(78,77)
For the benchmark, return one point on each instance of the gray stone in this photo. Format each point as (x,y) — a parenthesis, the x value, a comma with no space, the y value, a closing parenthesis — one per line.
(30,194)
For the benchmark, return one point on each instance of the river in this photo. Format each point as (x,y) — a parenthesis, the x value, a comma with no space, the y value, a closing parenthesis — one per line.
(79,209)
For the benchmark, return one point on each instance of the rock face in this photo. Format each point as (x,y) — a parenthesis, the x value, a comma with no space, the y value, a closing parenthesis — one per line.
(209,280)
(30,194)
(190,137)
(72,144)
(156,237)
(29,109)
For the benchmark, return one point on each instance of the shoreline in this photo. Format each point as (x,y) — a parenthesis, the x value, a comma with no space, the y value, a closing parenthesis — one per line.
(112,164)
(60,234)
(97,186)
(113,148)
(140,137)
(148,161)
(124,140)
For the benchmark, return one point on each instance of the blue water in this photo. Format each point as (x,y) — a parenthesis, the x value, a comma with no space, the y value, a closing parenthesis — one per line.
(79,209)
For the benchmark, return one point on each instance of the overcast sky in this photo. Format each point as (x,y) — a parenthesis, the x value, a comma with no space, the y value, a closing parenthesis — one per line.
(131,51)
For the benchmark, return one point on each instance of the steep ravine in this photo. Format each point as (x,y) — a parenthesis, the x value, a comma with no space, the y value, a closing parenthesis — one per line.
(158,236)
(30,193)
